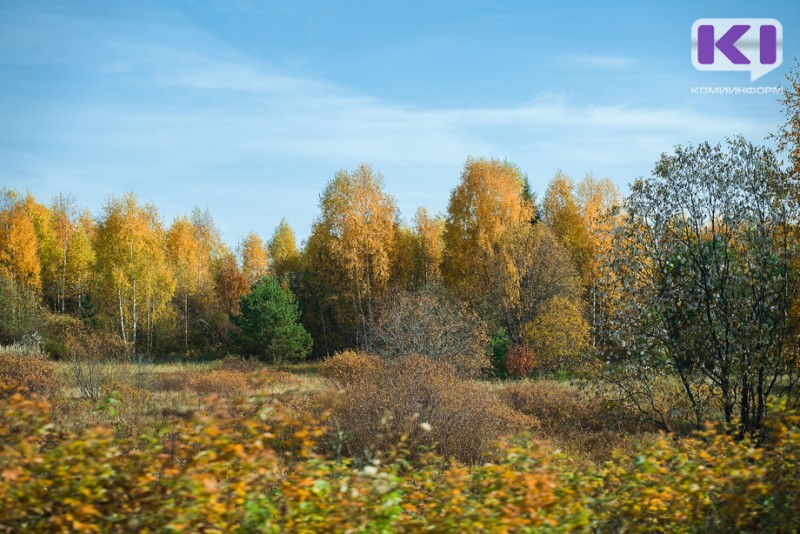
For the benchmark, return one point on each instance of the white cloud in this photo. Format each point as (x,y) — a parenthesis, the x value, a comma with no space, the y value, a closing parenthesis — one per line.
(196,109)
(599,61)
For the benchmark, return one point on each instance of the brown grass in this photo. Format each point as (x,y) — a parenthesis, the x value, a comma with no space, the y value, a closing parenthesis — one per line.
(582,422)
(234,362)
(222,382)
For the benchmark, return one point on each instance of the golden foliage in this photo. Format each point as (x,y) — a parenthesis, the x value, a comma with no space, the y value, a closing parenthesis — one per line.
(284,255)
(19,260)
(135,283)
(419,251)
(558,335)
(254,257)
(561,212)
(487,201)
(349,257)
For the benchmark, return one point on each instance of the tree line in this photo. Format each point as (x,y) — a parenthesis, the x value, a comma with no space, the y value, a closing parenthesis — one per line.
(690,280)
(176,288)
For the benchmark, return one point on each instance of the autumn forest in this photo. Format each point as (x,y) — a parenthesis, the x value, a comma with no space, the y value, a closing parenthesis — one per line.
(566,359)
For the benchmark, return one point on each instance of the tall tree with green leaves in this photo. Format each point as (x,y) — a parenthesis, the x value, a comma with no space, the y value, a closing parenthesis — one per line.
(269,323)
(703,275)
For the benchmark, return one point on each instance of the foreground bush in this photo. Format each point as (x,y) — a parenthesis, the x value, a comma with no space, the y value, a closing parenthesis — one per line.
(421,400)
(250,468)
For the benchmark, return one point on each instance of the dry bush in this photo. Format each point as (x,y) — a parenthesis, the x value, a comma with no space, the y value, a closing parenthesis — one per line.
(87,343)
(232,379)
(29,369)
(91,376)
(432,323)
(558,404)
(219,382)
(586,424)
(520,361)
(234,362)
(94,358)
(349,367)
(427,404)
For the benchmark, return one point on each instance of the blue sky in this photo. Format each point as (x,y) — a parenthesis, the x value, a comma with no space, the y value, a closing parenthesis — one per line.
(248,108)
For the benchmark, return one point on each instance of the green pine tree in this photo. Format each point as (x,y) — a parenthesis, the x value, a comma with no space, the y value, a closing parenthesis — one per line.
(269,323)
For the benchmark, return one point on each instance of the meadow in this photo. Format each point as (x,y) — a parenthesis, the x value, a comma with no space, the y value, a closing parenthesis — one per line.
(356,443)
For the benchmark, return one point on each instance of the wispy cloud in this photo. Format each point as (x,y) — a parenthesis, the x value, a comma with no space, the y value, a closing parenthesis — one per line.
(599,61)
(198,113)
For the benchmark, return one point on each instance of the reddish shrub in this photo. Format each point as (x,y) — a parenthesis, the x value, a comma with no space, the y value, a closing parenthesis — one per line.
(520,361)
(32,371)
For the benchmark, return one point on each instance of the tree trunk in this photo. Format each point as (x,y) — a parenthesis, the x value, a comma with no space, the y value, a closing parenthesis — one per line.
(134,321)
(186,320)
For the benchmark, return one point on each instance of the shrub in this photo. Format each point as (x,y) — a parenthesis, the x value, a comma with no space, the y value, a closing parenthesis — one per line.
(31,370)
(349,367)
(171,380)
(250,467)
(219,382)
(520,361)
(586,424)
(91,376)
(432,323)
(425,403)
